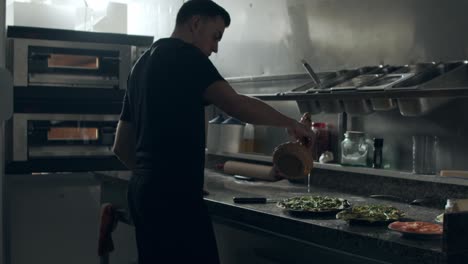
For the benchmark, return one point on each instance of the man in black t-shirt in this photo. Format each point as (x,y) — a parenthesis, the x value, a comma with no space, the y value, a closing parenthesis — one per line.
(161,135)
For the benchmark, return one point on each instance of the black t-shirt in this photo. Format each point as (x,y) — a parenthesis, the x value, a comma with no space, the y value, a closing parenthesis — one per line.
(164,102)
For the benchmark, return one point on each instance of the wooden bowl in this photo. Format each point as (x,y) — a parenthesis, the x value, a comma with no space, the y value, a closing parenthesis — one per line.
(292,160)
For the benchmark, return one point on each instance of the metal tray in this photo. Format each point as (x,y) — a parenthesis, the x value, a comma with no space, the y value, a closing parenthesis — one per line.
(425,78)
(273,85)
(385,104)
(323,76)
(386,81)
(361,106)
(308,106)
(357,106)
(365,78)
(343,76)
(443,75)
(452,75)
(356,82)
(337,106)
(312,106)
(397,76)
(415,68)
(328,79)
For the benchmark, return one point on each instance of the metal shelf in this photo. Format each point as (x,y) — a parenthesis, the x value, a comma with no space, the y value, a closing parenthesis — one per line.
(358,170)
(393,94)
(271,78)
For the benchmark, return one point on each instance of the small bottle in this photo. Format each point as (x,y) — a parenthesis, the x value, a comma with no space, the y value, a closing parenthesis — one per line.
(322,140)
(378,159)
(451,206)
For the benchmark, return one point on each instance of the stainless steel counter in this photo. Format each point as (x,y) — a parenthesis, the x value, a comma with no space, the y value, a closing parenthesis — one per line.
(375,242)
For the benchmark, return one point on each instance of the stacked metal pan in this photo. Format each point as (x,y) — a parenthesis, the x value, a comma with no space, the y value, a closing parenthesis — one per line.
(442,75)
(361,106)
(382,78)
(390,80)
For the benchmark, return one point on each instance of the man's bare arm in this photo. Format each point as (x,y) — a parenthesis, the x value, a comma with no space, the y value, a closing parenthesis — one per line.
(252,110)
(247,109)
(124,144)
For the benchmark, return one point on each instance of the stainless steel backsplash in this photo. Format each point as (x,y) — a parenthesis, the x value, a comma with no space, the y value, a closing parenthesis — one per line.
(270,37)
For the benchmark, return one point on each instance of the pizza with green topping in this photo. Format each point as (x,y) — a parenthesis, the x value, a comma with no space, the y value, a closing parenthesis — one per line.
(371,213)
(313,204)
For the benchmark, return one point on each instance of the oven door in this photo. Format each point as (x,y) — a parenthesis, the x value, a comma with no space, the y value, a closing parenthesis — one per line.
(39,63)
(52,135)
(50,66)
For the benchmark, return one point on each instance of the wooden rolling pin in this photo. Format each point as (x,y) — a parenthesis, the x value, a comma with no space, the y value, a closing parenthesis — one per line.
(256,171)
(454,173)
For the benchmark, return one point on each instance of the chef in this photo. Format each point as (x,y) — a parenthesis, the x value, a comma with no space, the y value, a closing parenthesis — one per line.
(161,135)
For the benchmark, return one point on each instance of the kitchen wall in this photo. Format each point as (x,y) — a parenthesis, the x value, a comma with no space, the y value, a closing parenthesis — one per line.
(138,17)
(270,37)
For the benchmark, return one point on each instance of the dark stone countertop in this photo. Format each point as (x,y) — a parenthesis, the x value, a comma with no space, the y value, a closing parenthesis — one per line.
(376,242)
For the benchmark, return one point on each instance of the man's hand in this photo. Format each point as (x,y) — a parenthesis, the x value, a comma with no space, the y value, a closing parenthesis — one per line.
(254,111)
(302,131)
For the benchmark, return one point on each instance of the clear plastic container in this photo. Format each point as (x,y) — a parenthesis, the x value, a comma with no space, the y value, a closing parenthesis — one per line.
(354,149)
(249,139)
(231,135)
(425,150)
(213,134)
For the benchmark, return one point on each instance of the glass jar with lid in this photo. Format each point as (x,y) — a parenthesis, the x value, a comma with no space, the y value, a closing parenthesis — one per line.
(354,149)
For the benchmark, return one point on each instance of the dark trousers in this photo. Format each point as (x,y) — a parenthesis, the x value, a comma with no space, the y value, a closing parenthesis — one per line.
(170,226)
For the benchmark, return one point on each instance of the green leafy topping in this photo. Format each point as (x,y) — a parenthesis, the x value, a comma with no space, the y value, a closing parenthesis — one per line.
(371,213)
(313,203)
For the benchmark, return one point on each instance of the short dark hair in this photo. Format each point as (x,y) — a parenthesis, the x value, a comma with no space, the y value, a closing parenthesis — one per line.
(204,8)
